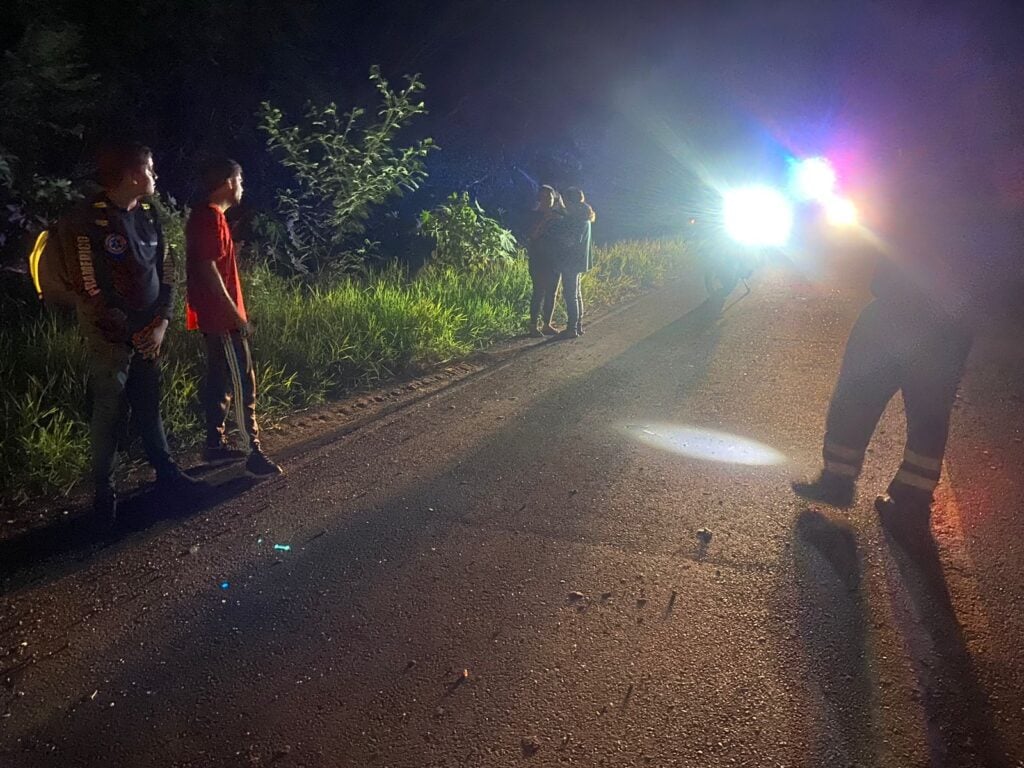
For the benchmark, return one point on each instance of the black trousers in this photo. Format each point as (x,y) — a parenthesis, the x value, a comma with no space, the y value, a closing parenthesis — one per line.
(122,381)
(891,349)
(545,283)
(230,379)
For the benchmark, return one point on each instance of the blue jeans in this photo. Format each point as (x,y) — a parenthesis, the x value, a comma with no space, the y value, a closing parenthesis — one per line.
(573,295)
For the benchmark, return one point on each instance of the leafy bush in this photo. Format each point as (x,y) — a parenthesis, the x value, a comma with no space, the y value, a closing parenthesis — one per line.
(465,236)
(342,169)
(47,95)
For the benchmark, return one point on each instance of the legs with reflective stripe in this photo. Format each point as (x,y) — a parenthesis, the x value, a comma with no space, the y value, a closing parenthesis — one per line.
(868,379)
(931,376)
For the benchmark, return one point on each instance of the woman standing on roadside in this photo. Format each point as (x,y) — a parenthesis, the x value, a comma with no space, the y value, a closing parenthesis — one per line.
(540,249)
(574,257)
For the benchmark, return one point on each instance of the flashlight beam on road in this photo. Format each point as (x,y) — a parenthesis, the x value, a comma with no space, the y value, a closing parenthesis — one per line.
(706,444)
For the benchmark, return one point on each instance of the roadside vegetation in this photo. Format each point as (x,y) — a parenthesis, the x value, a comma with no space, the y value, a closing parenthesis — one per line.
(333,315)
(315,340)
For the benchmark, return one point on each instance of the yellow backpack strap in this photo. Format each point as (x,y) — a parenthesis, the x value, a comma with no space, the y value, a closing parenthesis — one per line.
(34,257)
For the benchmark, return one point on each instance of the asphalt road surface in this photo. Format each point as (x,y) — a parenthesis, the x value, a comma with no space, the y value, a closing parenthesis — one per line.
(588,555)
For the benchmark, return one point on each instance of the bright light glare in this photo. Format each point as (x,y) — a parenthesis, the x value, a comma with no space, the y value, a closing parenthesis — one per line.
(841,212)
(706,444)
(814,179)
(759,216)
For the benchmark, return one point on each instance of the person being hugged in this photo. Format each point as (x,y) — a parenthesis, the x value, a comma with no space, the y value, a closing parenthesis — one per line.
(216,308)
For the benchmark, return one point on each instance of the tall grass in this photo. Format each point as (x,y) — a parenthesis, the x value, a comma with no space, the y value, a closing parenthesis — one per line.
(312,342)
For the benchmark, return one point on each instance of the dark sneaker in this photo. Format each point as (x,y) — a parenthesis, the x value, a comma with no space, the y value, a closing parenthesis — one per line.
(548,330)
(534,333)
(216,454)
(827,488)
(261,465)
(104,508)
(579,329)
(174,482)
(568,333)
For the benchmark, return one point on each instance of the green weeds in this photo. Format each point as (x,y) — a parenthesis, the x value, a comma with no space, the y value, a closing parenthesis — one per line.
(313,342)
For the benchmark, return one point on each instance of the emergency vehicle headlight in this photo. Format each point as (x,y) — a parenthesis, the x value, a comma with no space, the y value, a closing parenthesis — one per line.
(813,179)
(841,212)
(757,216)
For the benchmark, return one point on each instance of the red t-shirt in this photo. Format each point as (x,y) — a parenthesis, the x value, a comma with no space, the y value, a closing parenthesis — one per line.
(208,238)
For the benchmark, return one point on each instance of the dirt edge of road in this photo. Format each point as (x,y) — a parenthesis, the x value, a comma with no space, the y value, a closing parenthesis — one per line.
(312,428)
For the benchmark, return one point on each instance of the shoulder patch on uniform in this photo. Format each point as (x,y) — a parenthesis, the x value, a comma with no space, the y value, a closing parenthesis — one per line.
(99,204)
(115,244)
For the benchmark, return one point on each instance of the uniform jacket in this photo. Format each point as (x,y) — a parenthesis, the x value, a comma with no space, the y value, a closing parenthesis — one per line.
(119,267)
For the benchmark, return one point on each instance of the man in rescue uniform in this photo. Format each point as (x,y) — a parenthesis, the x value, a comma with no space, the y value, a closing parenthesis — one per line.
(903,341)
(940,224)
(124,300)
(935,160)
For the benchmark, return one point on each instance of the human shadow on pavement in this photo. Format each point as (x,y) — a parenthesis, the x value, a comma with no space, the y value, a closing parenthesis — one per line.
(82,534)
(832,620)
(958,715)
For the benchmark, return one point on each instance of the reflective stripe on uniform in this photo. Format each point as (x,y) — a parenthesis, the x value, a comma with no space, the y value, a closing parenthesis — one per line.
(840,468)
(34,258)
(924,462)
(842,452)
(914,480)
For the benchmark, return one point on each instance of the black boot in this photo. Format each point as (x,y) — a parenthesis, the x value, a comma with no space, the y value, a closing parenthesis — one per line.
(907,519)
(827,488)
(104,507)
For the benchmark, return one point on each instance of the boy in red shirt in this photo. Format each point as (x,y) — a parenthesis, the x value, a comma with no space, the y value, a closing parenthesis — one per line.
(216,307)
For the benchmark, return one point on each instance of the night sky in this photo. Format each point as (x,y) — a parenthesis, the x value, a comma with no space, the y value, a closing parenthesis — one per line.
(635,102)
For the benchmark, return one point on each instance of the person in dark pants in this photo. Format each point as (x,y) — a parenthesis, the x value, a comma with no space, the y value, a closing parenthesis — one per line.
(216,307)
(540,250)
(124,298)
(574,256)
(902,342)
